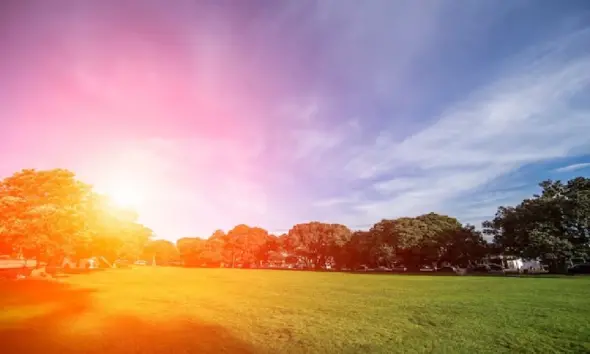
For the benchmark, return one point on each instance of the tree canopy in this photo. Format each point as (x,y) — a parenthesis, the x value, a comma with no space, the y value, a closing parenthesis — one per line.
(553,226)
(47,214)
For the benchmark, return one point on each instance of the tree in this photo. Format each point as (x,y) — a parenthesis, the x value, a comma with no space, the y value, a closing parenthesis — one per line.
(191,250)
(573,199)
(244,244)
(44,212)
(316,242)
(402,238)
(215,254)
(383,254)
(163,251)
(113,231)
(462,247)
(553,226)
(217,235)
(426,239)
(50,214)
(198,252)
(358,250)
(269,250)
(440,238)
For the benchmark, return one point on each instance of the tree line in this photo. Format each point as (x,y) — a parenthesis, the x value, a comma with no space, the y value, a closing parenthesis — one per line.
(47,214)
(430,239)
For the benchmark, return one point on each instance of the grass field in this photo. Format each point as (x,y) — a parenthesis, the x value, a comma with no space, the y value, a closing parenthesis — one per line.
(176,310)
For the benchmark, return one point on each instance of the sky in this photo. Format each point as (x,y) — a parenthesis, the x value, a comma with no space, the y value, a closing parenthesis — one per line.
(208,114)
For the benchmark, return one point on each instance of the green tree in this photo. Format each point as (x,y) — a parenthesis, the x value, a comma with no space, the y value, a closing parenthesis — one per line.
(316,242)
(440,238)
(359,250)
(398,240)
(553,226)
(462,247)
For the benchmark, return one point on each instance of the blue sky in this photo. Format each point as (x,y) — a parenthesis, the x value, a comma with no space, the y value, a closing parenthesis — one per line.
(273,113)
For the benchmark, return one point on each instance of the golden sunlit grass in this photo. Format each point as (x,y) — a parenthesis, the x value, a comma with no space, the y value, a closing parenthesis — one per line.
(177,310)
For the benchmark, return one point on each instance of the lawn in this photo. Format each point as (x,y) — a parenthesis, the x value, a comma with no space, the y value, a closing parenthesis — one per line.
(176,310)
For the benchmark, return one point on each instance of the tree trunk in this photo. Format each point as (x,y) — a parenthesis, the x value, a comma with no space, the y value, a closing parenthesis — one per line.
(37,258)
(557,266)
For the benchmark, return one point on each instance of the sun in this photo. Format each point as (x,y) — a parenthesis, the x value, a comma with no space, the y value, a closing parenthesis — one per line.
(123,189)
(125,197)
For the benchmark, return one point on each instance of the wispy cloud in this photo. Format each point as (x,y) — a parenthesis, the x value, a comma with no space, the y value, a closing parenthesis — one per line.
(573,167)
(524,116)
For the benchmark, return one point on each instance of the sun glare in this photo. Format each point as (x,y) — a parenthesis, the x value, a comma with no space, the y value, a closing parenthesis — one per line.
(125,197)
(123,189)
(122,194)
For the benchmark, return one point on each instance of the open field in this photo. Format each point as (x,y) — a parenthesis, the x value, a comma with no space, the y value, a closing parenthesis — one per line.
(177,310)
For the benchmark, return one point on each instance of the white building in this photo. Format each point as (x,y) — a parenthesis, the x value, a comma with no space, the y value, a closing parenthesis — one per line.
(520,265)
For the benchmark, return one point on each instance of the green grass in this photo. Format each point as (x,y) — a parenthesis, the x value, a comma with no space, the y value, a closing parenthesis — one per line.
(175,310)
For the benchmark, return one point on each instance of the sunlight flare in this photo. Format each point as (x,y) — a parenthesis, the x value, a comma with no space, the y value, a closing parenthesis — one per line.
(125,196)
(122,192)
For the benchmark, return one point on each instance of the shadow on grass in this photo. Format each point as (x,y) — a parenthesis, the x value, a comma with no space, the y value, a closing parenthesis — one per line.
(62,329)
(33,292)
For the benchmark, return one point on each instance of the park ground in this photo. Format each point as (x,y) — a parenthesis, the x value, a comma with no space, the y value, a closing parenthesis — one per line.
(179,310)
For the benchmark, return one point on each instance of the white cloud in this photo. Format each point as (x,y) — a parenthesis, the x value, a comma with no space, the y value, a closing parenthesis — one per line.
(311,143)
(397,185)
(521,118)
(573,167)
(332,202)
